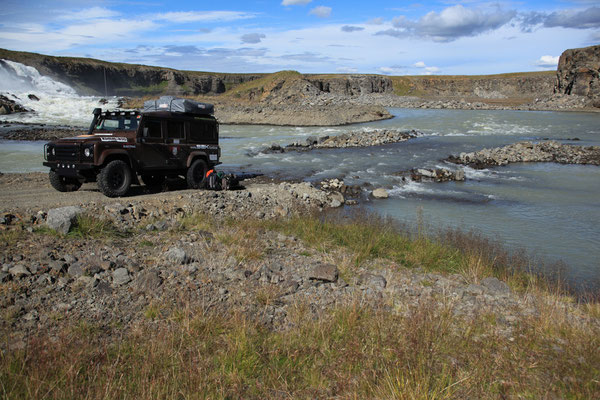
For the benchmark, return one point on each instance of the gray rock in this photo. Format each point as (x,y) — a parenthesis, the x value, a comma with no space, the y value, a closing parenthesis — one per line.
(57,266)
(19,271)
(103,288)
(120,276)
(147,281)
(324,272)
(459,175)
(380,193)
(372,281)
(177,255)
(4,277)
(75,270)
(63,219)
(495,285)
(474,290)
(335,203)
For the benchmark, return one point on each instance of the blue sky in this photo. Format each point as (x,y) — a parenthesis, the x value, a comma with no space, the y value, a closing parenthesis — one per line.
(310,36)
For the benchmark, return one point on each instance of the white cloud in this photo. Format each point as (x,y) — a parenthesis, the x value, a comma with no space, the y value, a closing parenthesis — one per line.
(107,29)
(203,16)
(547,61)
(89,13)
(321,11)
(452,23)
(294,2)
(346,70)
(425,69)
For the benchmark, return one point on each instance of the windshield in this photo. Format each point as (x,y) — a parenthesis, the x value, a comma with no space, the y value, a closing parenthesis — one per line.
(117,123)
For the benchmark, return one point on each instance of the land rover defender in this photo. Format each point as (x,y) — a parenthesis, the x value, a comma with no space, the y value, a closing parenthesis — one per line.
(170,137)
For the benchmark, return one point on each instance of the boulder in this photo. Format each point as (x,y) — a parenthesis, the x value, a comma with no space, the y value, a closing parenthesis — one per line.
(177,255)
(380,193)
(120,276)
(147,281)
(495,285)
(324,273)
(63,219)
(19,271)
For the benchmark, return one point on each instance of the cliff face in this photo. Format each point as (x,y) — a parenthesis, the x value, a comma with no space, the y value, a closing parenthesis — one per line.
(95,77)
(352,85)
(505,86)
(579,73)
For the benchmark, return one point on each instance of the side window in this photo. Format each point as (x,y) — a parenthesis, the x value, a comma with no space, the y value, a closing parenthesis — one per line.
(201,131)
(175,130)
(152,129)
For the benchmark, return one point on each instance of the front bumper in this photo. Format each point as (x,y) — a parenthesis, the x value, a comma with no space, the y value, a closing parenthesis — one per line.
(69,168)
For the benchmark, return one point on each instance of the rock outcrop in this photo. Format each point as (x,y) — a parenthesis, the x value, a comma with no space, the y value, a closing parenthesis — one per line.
(579,73)
(8,106)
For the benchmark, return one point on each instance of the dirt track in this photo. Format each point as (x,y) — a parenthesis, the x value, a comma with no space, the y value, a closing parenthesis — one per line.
(32,192)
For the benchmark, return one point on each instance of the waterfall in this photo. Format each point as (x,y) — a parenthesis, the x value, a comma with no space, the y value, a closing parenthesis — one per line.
(58,104)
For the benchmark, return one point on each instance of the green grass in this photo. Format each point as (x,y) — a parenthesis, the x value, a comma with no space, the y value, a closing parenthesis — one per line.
(88,227)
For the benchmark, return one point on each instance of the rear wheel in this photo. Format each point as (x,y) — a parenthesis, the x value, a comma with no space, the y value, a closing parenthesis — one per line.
(153,180)
(114,179)
(63,183)
(196,174)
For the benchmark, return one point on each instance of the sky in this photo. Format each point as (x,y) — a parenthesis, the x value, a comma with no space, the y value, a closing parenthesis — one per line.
(310,36)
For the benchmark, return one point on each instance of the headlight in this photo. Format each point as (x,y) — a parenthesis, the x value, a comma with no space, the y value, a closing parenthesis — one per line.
(52,151)
(87,151)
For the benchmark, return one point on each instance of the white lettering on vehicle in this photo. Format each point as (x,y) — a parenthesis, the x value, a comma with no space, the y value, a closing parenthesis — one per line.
(114,139)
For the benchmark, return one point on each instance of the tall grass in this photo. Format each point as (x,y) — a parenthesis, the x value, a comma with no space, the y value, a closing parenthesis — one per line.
(350,352)
(367,236)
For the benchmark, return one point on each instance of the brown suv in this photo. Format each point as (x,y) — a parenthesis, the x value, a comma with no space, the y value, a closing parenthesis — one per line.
(170,137)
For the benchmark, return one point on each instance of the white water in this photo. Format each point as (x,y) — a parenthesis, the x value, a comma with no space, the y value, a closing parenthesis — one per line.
(58,104)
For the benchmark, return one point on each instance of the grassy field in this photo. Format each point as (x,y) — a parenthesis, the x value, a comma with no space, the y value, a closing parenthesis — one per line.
(353,351)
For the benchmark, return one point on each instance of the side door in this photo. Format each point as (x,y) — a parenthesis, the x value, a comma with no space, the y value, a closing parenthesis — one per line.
(150,149)
(176,143)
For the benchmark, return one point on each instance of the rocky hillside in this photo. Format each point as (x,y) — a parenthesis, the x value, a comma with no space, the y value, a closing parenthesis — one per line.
(579,73)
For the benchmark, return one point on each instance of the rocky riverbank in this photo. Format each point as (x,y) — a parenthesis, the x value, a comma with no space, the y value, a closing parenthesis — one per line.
(124,258)
(546,151)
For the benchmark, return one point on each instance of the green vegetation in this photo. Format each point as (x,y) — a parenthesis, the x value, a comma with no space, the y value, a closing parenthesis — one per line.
(88,227)
(258,87)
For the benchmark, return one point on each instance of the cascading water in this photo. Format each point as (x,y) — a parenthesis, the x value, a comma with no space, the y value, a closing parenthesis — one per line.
(58,104)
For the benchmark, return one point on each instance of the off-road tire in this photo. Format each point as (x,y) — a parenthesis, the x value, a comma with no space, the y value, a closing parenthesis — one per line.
(63,183)
(115,178)
(196,174)
(153,180)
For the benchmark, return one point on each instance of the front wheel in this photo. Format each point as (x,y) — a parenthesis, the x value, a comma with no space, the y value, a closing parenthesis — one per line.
(114,179)
(196,174)
(63,183)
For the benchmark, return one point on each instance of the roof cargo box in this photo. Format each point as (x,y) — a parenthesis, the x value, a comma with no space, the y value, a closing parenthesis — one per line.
(175,104)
